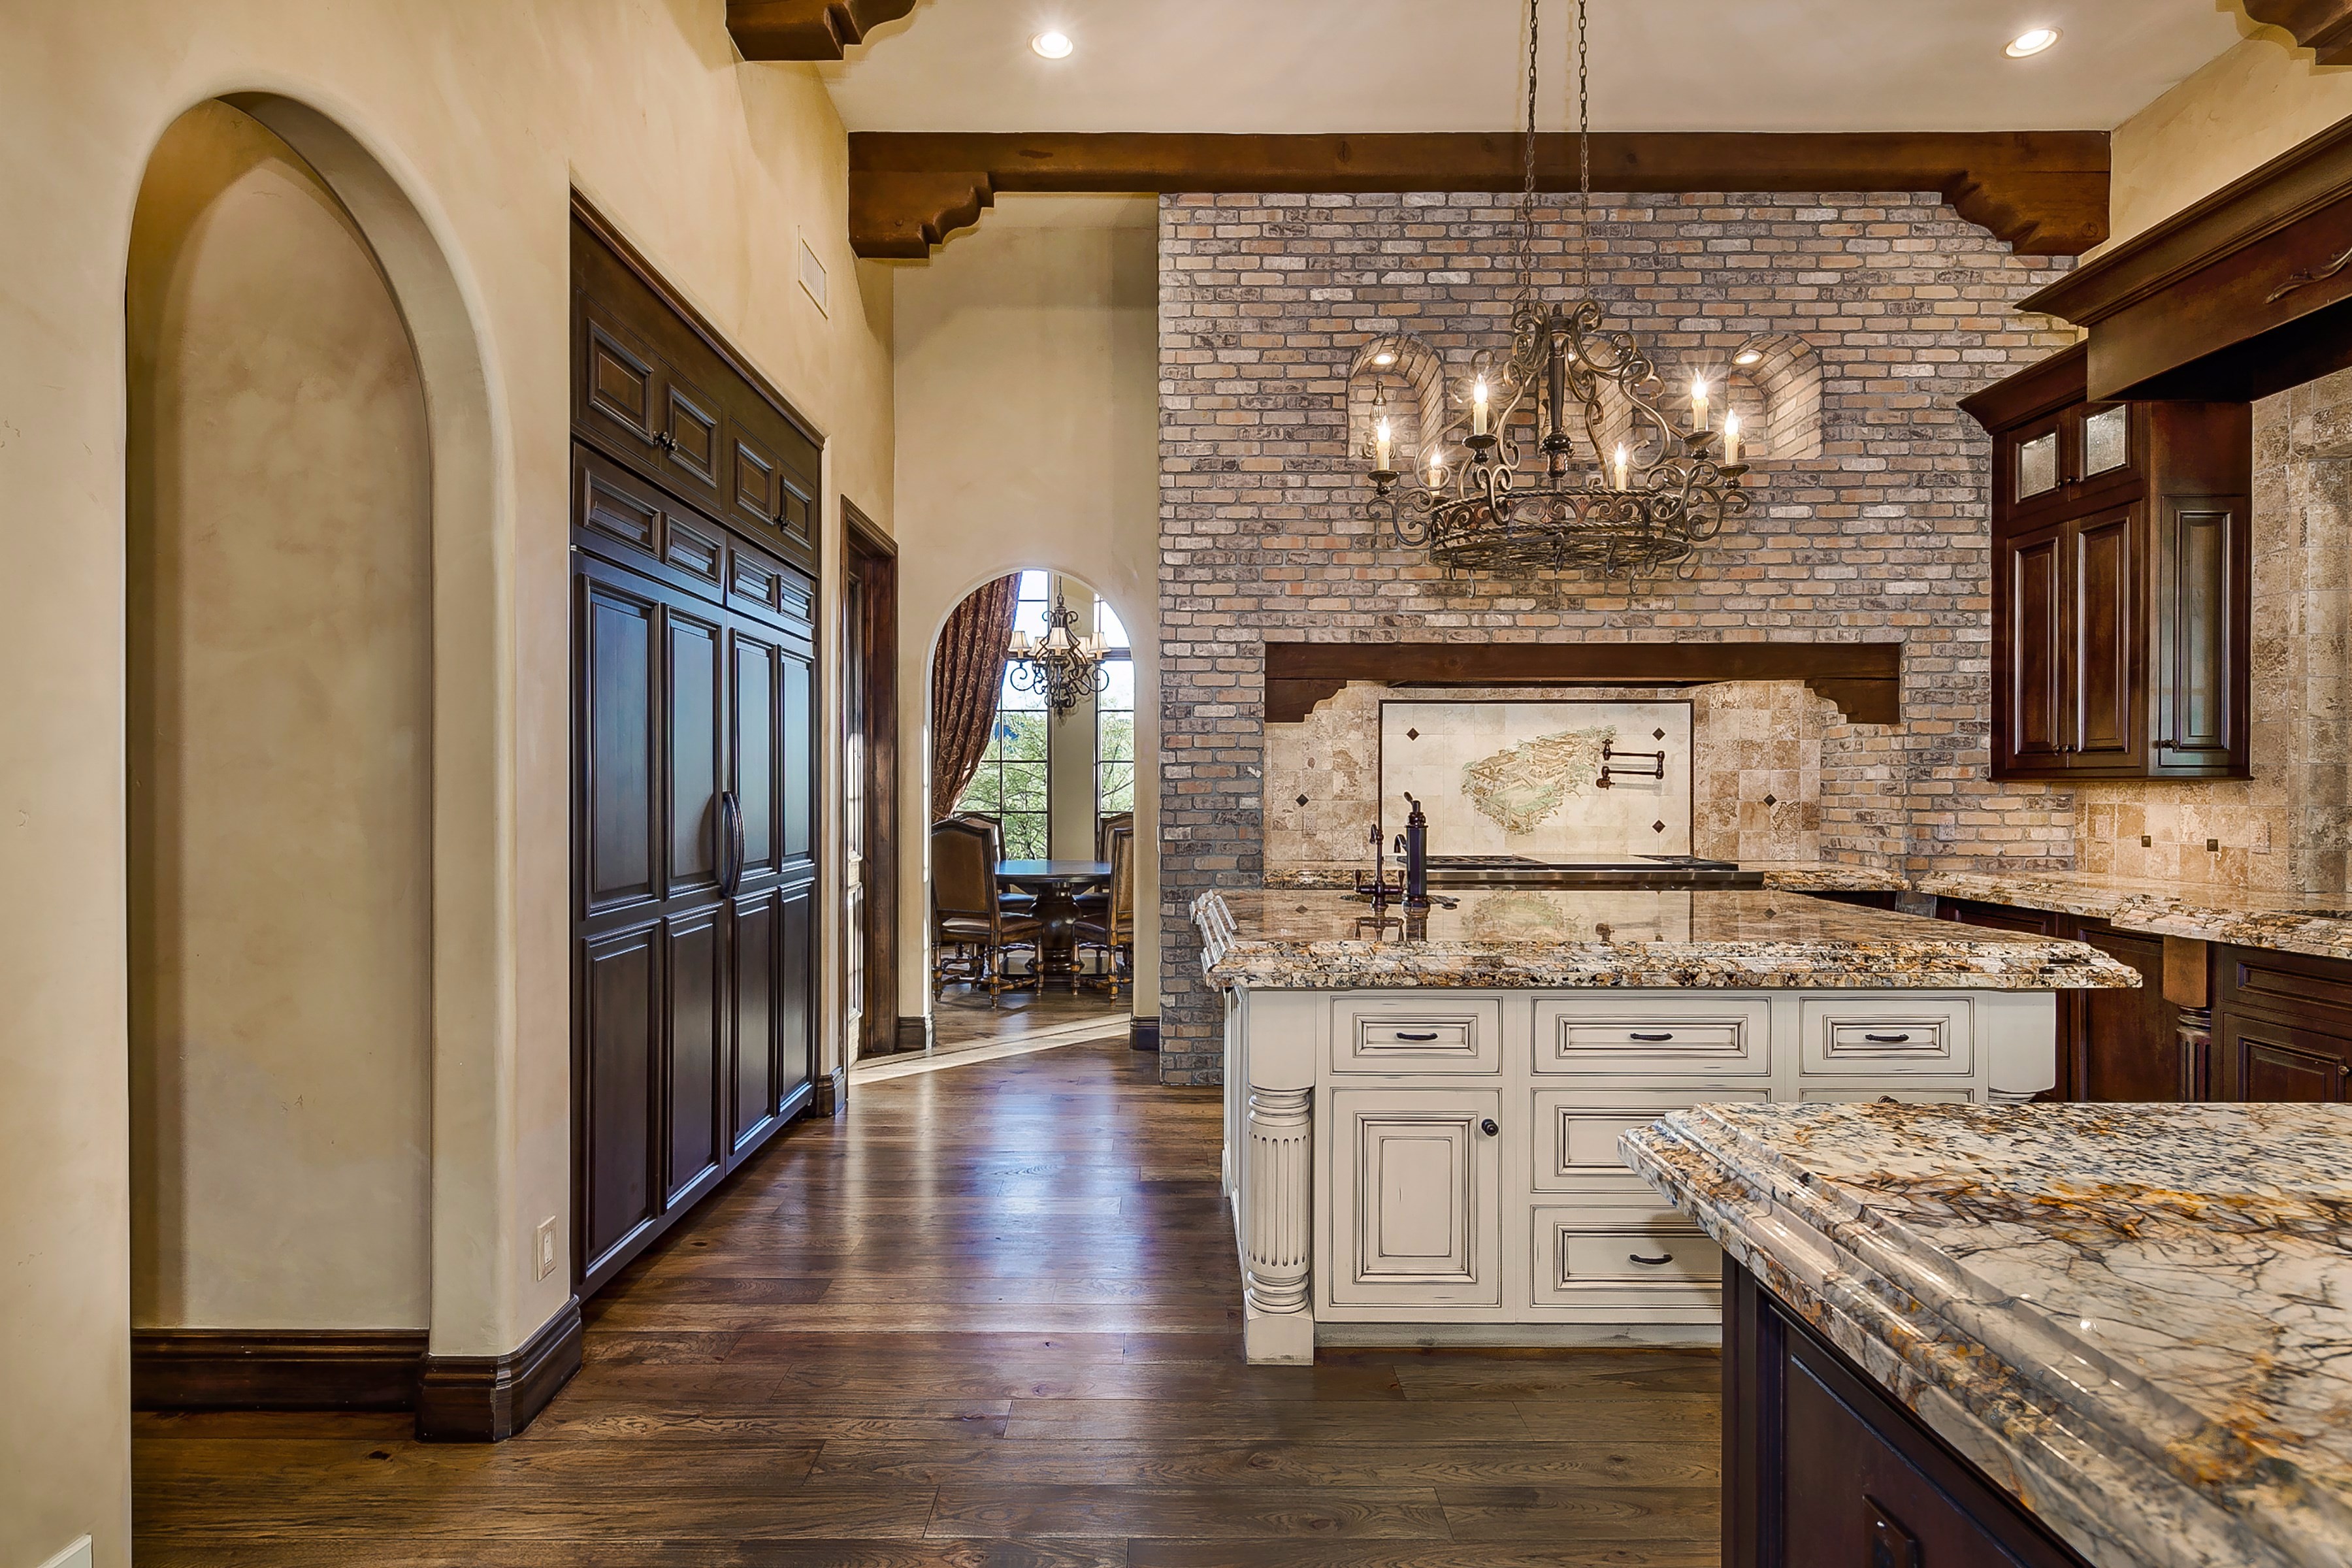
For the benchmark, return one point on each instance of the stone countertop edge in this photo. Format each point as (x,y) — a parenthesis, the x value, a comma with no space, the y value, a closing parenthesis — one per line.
(1232,956)
(1779,876)
(2080,1452)
(2268,920)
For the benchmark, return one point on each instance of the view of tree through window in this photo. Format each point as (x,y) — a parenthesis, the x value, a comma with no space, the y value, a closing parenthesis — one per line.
(1114,720)
(1013,783)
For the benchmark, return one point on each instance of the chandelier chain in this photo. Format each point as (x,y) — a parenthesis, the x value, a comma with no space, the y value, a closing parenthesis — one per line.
(1583,161)
(1527,154)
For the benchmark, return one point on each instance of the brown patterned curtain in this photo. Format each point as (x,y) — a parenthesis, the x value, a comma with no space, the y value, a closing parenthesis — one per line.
(965,678)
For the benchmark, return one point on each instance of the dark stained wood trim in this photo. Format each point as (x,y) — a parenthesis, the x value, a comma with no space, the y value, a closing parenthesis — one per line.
(275,1369)
(1143,1033)
(914,1035)
(2226,297)
(2053,383)
(2044,191)
(875,556)
(487,1399)
(2322,26)
(806,29)
(1864,678)
(832,1093)
(699,324)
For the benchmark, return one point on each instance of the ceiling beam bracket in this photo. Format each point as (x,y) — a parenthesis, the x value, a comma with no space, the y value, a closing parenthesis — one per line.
(806,29)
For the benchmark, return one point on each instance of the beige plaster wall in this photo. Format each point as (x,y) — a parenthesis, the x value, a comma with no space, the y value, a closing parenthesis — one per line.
(281,713)
(478,115)
(1027,385)
(2242,108)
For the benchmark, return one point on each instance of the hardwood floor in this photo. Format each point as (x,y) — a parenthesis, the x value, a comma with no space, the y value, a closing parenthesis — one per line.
(984,1320)
(960,1015)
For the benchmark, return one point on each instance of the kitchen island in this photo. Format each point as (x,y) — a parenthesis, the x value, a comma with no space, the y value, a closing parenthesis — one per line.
(2111,1334)
(1422,1109)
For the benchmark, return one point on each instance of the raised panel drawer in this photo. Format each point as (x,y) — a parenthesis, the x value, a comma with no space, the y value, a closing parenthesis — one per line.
(1416,1036)
(1855,1038)
(1620,1255)
(1952,1094)
(1678,1034)
(1575,1146)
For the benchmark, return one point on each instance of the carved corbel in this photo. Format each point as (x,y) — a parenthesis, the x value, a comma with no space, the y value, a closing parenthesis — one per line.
(898,218)
(806,29)
(2322,26)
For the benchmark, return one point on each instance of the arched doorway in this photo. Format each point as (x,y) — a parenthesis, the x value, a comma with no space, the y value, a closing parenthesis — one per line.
(314,695)
(1050,782)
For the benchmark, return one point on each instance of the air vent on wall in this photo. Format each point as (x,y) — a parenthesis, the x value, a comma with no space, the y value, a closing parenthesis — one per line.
(812,280)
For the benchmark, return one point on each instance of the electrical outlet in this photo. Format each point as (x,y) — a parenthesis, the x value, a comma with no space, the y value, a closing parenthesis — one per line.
(546,1247)
(74,1557)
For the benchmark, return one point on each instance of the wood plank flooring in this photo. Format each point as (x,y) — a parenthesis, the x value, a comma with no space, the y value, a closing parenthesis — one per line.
(984,1320)
(960,1015)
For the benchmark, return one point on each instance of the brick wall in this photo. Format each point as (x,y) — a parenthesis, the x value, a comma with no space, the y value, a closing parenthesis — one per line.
(1265,301)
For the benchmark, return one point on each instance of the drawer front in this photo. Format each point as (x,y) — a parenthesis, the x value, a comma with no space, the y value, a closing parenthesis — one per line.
(1575,1146)
(1627,1255)
(1679,1035)
(1920,1094)
(1864,1037)
(1418,1034)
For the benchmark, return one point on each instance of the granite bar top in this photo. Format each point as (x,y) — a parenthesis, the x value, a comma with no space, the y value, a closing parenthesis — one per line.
(2287,923)
(2136,1319)
(1795,876)
(1707,939)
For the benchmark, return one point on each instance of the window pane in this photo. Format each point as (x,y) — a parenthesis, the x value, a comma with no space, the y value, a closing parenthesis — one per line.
(2105,439)
(1024,736)
(1025,836)
(1120,692)
(1115,737)
(2037,465)
(1108,626)
(1117,787)
(1024,787)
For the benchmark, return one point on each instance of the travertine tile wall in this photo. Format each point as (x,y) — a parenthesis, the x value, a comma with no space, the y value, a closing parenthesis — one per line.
(2284,829)
(1263,302)
(1756,766)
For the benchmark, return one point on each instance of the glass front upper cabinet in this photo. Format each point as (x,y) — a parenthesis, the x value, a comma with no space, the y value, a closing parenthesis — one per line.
(2106,439)
(2037,465)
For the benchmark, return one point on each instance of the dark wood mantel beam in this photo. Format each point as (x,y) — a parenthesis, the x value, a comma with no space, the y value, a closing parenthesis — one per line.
(806,29)
(2043,191)
(2322,26)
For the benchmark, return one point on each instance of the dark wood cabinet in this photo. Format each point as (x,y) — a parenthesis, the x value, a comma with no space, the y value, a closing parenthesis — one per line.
(695,768)
(2113,1045)
(2120,584)
(2282,1028)
(1821,1465)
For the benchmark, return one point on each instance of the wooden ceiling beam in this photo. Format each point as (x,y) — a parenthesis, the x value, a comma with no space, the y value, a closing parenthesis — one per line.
(2322,26)
(806,29)
(2043,191)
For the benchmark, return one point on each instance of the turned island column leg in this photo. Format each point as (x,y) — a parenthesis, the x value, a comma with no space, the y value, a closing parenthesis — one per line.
(1278,1326)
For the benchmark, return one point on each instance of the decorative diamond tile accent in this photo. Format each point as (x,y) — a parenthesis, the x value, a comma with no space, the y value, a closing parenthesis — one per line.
(1657,827)
(1657,734)
(1769,800)
(1413,734)
(1302,800)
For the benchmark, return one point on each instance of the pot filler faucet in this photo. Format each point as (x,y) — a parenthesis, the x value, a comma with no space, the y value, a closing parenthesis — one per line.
(1413,845)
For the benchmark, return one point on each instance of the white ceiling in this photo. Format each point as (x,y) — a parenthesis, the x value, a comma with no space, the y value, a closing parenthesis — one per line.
(1458,65)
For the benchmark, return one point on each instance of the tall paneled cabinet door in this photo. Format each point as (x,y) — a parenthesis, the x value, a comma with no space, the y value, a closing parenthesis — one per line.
(1415,1208)
(2121,581)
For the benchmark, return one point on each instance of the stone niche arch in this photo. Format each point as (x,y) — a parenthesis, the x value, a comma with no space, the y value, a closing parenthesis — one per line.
(1403,372)
(1777,396)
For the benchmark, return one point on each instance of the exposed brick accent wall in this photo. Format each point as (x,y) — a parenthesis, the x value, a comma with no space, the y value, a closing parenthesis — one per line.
(1263,303)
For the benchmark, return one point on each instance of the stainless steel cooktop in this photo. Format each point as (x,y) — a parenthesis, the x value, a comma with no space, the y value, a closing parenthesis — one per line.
(1588,871)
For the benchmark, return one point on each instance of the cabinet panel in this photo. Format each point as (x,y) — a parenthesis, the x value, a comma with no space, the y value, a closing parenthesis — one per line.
(1636,1258)
(616,1088)
(1416,1183)
(693,674)
(694,1051)
(2264,1060)
(1575,1146)
(754,1031)
(2201,690)
(617,679)
(2035,579)
(2127,1044)
(795,995)
(2102,603)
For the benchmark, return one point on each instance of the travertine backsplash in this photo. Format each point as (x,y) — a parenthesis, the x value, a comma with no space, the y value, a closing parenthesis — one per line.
(2284,829)
(1756,768)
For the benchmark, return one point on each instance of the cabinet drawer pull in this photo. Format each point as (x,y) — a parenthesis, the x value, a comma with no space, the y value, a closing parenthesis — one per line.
(1653,1262)
(1888,1039)
(1416,1034)
(1488,1128)
(1652,1036)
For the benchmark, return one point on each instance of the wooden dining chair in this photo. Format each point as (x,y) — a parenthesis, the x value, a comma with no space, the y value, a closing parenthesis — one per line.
(1014,902)
(1114,933)
(1096,902)
(971,930)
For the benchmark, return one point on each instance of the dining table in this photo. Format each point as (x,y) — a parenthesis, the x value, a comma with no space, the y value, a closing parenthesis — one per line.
(1056,884)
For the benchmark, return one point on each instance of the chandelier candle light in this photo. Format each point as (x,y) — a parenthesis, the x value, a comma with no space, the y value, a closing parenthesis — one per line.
(1061,665)
(1667,491)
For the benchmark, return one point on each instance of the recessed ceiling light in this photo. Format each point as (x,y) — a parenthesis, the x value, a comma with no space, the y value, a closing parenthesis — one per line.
(2032,43)
(1385,357)
(1057,46)
(1747,356)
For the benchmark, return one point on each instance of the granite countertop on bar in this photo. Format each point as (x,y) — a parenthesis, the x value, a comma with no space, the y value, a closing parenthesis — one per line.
(2288,922)
(2137,1319)
(1284,939)
(1791,876)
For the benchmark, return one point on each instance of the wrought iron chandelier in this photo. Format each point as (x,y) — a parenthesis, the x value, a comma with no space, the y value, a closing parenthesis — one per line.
(1662,492)
(1063,666)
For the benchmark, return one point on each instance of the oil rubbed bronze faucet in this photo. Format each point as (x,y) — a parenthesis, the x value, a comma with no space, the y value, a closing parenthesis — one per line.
(1413,845)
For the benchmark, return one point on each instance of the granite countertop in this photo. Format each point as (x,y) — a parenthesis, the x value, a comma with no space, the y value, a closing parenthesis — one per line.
(1793,875)
(2288,922)
(1517,937)
(2136,1319)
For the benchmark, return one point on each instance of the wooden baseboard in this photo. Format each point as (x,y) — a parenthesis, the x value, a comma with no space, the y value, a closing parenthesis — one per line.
(1143,1033)
(487,1399)
(832,1093)
(914,1035)
(275,1369)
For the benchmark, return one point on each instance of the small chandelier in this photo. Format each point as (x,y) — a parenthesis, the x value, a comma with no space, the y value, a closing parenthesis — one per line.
(1663,490)
(1062,665)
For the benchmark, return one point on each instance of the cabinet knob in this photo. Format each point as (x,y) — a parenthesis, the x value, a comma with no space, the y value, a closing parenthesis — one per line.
(1488,1127)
